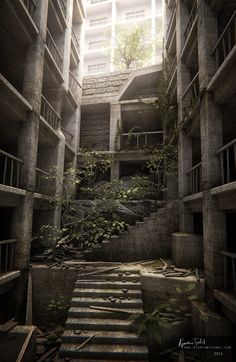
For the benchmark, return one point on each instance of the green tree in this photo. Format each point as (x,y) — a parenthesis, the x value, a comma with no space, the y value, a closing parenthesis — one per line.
(133,47)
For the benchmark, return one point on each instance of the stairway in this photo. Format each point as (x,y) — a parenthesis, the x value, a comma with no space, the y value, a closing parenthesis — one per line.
(115,337)
(146,239)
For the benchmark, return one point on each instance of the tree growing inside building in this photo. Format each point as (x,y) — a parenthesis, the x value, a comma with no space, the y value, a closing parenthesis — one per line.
(133,47)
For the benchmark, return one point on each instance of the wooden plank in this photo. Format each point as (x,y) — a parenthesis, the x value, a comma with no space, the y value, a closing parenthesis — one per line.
(47,354)
(108,309)
(25,345)
(84,343)
(8,325)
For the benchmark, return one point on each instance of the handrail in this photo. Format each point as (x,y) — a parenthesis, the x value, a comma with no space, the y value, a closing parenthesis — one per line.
(227,253)
(223,33)
(11,156)
(42,172)
(231,143)
(194,167)
(172,68)
(140,138)
(190,85)
(63,6)
(68,136)
(10,241)
(191,19)
(141,133)
(52,47)
(173,13)
(30,6)
(75,39)
(50,115)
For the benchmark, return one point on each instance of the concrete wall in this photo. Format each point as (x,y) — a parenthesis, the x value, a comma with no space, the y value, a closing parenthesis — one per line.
(50,284)
(94,131)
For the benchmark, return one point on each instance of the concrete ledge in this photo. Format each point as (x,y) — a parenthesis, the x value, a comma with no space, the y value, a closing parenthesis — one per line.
(227,299)
(8,277)
(50,130)
(12,190)
(193,197)
(230,187)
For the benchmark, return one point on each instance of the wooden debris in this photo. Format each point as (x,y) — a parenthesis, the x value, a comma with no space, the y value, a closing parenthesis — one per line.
(165,264)
(6,327)
(47,354)
(108,309)
(25,345)
(85,342)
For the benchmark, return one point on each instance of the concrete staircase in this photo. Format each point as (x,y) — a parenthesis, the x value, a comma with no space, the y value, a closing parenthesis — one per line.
(146,239)
(115,337)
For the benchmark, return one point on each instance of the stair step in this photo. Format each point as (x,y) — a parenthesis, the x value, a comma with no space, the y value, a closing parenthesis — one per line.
(86,312)
(113,276)
(125,303)
(88,292)
(103,337)
(105,324)
(125,352)
(100,360)
(127,284)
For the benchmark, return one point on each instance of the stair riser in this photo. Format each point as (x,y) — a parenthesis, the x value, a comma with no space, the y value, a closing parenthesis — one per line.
(105,294)
(102,327)
(116,278)
(104,355)
(108,304)
(98,314)
(110,285)
(104,340)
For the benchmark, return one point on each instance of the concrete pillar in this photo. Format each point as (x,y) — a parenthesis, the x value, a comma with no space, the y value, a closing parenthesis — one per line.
(115,126)
(67,43)
(211,141)
(28,138)
(115,171)
(207,24)
(113,34)
(214,240)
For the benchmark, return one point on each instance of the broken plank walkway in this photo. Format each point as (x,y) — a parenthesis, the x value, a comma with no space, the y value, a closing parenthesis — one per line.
(99,315)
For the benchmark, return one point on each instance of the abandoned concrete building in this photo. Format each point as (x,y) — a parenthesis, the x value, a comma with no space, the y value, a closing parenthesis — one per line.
(49,112)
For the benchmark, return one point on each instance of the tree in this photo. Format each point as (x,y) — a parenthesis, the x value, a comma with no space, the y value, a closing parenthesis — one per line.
(133,47)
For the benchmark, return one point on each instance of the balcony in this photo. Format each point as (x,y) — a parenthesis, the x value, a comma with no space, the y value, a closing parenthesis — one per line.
(195,179)
(10,169)
(75,40)
(227,156)
(226,42)
(229,271)
(74,86)
(54,52)
(191,20)
(191,98)
(171,26)
(7,255)
(44,182)
(68,136)
(141,140)
(49,114)
(30,6)
(63,4)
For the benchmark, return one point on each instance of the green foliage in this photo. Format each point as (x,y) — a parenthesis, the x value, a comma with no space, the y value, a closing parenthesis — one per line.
(133,47)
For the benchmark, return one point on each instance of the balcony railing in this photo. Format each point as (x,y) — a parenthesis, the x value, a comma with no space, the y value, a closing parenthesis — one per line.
(195,179)
(30,6)
(141,140)
(191,96)
(228,162)
(49,114)
(191,19)
(63,4)
(75,40)
(44,182)
(68,136)
(172,68)
(226,41)
(229,270)
(173,13)
(74,85)
(7,255)
(52,47)
(10,168)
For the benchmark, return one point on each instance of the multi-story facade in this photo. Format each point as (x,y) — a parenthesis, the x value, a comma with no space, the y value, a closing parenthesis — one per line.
(103,17)
(40,85)
(201,48)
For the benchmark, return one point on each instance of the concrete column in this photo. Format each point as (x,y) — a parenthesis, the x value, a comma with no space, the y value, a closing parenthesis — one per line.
(211,141)
(214,240)
(113,33)
(153,29)
(115,126)
(115,171)
(207,24)
(28,138)
(67,43)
